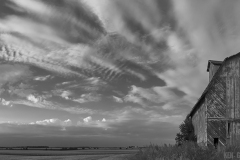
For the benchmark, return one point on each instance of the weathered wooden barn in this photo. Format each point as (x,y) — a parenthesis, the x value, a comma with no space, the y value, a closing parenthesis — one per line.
(216,116)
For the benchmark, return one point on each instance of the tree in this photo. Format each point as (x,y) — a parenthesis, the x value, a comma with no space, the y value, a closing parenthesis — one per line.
(186,132)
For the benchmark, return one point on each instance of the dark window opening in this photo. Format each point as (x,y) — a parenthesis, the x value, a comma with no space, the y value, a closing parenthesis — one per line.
(216,142)
(228,129)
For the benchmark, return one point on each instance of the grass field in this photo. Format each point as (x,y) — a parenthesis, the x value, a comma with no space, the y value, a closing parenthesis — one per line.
(67,155)
(188,151)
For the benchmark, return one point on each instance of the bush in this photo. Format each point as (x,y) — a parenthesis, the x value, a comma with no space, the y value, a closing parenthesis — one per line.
(186,132)
(187,151)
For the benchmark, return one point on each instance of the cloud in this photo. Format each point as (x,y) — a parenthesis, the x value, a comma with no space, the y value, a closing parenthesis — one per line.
(13,73)
(79,110)
(166,94)
(89,48)
(62,93)
(89,97)
(155,95)
(42,78)
(1,90)
(87,119)
(133,98)
(54,122)
(66,94)
(117,99)
(64,83)
(128,123)
(164,99)
(185,46)
(22,90)
(5,103)
(104,120)
(32,98)
(205,31)
(120,134)
(90,84)
(45,104)
(90,123)
(46,49)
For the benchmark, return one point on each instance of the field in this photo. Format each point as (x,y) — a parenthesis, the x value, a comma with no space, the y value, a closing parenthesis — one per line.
(188,151)
(66,155)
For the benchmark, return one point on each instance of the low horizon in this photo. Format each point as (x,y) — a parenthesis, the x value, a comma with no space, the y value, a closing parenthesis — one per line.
(107,73)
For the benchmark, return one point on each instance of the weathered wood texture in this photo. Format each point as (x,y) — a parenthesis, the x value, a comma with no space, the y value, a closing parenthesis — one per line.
(212,70)
(216,107)
(233,98)
(199,124)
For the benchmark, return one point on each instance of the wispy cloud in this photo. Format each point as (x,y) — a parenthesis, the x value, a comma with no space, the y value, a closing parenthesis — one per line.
(154,95)
(80,52)
(90,97)
(117,99)
(13,73)
(42,78)
(44,104)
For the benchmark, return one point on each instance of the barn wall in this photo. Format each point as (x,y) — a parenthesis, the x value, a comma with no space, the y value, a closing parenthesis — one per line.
(218,113)
(199,123)
(216,108)
(233,98)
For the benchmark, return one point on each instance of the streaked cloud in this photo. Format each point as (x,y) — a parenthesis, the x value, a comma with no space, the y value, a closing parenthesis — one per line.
(42,78)
(154,95)
(117,99)
(89,97)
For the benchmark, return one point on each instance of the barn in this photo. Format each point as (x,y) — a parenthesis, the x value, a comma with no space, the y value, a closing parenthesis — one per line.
(215,116)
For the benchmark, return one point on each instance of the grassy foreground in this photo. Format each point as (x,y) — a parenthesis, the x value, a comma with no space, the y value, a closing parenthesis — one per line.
(75,157)
(187,151)
(103,154)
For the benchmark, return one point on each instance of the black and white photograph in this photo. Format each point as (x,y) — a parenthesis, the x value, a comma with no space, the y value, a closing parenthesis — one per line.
(119,79)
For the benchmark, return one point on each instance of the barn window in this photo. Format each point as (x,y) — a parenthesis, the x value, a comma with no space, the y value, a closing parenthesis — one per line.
(216,142)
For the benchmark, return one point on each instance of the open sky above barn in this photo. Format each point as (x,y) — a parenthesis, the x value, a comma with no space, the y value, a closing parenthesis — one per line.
(107,72)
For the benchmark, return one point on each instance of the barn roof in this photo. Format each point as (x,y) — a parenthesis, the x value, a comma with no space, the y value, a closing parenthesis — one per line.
(221,63)
(213,62)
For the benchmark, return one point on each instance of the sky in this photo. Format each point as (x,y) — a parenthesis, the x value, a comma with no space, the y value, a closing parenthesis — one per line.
(107,72)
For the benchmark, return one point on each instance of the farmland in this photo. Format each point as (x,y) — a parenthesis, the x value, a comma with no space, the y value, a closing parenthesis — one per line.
(66,155)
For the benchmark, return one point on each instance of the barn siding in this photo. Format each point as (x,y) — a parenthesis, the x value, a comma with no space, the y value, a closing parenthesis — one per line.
(199,124)
(233,99)
(216,108)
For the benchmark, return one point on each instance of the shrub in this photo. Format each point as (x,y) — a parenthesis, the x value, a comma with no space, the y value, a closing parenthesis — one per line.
(186,132)
(187,151)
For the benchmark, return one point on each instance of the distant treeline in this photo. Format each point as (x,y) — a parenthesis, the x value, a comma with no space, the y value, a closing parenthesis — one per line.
(63,148)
